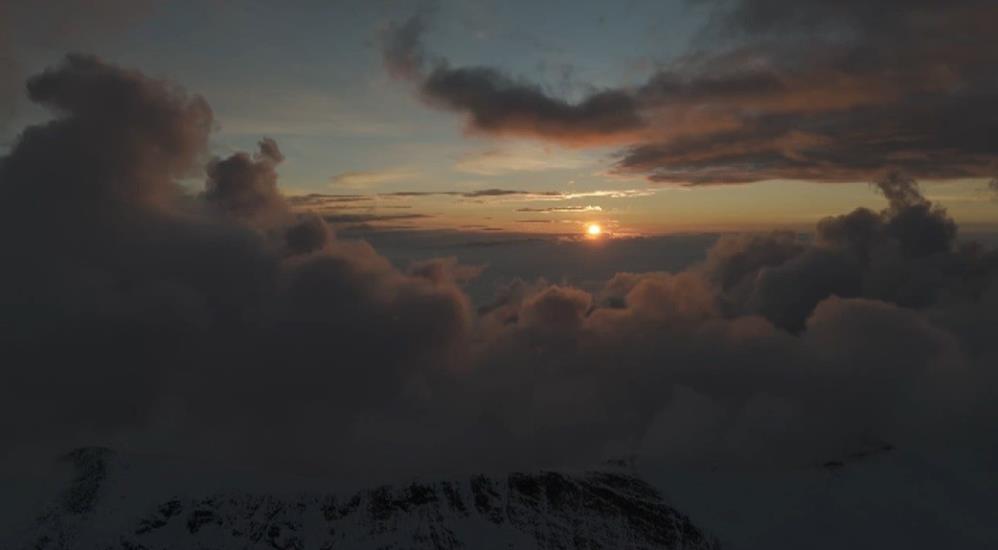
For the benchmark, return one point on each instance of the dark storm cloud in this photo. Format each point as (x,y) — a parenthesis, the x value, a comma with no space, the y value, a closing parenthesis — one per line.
(814,90)
(141,316)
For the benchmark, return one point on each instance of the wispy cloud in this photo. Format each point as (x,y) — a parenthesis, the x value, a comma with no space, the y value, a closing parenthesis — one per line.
(478,194)
(370,178)
(321,200)
(495,162)
(610,194)
(517,194)
(562,209)
(372,217)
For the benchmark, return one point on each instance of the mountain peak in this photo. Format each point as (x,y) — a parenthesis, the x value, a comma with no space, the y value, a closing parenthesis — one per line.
(108,504)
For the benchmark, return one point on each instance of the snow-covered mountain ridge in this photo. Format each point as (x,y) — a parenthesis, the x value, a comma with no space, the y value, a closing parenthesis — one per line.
(106,506)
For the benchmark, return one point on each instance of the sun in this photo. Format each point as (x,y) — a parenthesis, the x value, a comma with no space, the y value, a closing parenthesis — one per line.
(594,230)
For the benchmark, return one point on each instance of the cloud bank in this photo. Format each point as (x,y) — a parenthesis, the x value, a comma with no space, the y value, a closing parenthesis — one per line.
(227,324)
(771,89)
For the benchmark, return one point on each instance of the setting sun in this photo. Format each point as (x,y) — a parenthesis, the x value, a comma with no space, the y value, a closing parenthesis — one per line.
(397,249)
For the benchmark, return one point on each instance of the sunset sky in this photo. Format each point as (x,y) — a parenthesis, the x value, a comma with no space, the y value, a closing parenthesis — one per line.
(313,76)
(749,247)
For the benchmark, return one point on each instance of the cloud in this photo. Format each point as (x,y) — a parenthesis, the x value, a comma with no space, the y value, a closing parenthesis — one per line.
(536,195)
(501,193)
(495,103)
(402,47)
(445,270)
(774,89)
(141,316)
(370,217)
(608,193)
(369,178)
(321,200)
(246,186)
(476,194)
(561,209)
(23,26)
(122,265)
(495,162)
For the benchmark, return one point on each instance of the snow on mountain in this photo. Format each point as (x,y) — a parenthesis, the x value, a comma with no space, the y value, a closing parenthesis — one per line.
(111,502)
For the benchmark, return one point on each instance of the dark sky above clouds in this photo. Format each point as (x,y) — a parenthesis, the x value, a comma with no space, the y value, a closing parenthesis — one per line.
(164,291)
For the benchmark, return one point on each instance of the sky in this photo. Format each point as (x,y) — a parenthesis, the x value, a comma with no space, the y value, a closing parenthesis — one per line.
(348,239)
(315,77)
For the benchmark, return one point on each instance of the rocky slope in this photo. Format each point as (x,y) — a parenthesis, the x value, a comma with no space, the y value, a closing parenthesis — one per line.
(111,504)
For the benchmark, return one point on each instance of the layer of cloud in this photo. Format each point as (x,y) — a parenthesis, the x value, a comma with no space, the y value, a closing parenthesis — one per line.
(316,200)
(772,89)
(229,324)
(520,159)
(561,209)
(370,178)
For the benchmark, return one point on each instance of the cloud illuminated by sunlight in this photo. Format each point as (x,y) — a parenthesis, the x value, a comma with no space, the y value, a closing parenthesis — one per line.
(523,158)
(368,178)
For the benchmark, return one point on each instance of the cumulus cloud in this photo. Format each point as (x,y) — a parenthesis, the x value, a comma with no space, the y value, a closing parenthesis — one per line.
(246,186)
(159,300)
(142,316)
(772,89)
